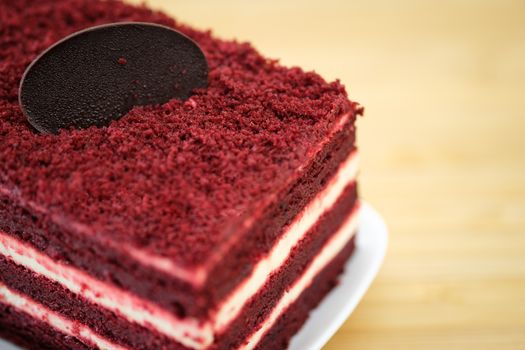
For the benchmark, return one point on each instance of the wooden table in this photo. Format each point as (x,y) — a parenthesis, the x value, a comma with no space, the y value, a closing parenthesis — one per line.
(443,144)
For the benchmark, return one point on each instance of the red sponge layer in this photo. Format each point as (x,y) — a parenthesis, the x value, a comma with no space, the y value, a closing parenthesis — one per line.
(29,333)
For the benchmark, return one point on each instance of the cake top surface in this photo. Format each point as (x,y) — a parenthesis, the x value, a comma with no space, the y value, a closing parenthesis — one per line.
(170,179)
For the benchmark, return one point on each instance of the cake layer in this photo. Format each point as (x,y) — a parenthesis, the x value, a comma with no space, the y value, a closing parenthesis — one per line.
(333,165)
(189,331)
(132,307)
(262,303)
(108,324)
(294,233)
(40,289)
(30,333)
(330,250)
(100,318)
(113,327)
(54,320)
(172,294)
(293,318)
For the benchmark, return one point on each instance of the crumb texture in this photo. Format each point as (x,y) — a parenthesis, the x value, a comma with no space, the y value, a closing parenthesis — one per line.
(173,178)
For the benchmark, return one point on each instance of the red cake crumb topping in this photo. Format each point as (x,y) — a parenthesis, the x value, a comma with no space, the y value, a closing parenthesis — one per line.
(168,178)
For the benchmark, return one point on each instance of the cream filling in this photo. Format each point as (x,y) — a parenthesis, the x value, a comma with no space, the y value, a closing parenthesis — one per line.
(189,332)
(55,320)
(329,252)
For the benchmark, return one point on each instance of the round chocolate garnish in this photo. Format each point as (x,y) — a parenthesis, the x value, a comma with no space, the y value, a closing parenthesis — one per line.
(98,74)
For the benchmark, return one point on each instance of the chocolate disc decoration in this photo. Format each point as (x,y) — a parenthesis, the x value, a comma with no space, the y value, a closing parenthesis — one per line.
(98,74)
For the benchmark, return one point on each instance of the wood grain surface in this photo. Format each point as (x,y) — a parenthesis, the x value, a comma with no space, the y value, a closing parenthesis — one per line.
(442,142)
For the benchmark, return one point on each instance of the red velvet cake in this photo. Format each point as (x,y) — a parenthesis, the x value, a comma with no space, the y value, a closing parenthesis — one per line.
(217,222)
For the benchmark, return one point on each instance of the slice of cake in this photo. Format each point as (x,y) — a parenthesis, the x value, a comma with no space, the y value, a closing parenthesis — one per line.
(217,222)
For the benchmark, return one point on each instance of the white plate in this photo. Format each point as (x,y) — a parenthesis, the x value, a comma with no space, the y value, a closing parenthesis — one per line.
(359,272)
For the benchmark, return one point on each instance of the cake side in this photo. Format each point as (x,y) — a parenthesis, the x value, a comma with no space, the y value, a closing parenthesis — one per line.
(232,310)
(116,333)
(291,321)
(30,333)
(114,327)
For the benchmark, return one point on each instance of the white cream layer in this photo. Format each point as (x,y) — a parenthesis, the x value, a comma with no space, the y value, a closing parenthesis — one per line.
(329,252)
(55,320)
(189,332)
